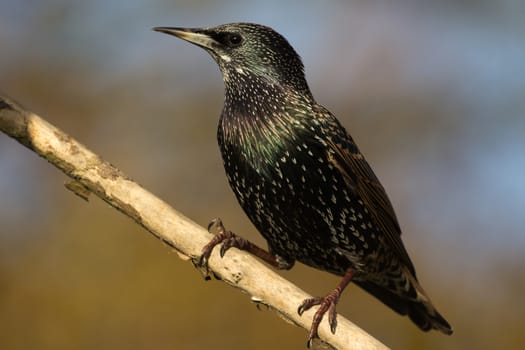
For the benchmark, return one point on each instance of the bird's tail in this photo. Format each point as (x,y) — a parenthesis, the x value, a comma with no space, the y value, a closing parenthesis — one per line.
(414,303)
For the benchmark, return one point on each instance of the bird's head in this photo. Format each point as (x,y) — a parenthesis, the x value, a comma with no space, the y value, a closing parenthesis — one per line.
(247,48)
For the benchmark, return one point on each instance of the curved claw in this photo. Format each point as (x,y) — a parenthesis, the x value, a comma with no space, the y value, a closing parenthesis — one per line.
(227,244)
(309,342)
(203,261)
(227,238)
(326,304)
(332,318)
(215,222)
(301,309)
(307,305)
(218,239)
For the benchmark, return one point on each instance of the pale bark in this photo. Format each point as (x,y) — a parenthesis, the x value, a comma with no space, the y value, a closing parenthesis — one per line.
(91,174)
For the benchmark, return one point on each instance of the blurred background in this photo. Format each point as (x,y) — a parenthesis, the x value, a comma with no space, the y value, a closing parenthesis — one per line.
(432,91)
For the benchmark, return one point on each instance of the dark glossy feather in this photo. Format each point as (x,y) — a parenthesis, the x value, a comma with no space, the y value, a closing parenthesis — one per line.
(300,177)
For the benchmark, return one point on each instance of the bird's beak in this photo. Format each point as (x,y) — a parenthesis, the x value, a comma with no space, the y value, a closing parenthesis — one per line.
(193,35)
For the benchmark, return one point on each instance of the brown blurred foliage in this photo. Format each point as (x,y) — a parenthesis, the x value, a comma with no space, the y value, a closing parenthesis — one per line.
(76,275)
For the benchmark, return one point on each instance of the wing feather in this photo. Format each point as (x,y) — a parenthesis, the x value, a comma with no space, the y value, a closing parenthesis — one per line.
(344,154)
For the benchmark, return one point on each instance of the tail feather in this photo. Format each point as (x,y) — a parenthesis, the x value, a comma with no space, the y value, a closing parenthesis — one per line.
(428,318)
(420,310)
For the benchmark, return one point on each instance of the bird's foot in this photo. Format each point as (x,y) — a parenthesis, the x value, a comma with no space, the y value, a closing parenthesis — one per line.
(230,239)
(226,237)
(326,304)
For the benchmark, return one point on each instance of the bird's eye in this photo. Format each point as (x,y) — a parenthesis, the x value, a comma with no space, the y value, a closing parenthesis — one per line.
(233,40)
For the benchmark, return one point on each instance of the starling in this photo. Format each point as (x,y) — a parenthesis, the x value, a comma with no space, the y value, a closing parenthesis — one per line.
(302,180)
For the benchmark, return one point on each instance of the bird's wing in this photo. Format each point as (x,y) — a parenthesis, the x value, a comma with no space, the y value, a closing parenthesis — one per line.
(345,156)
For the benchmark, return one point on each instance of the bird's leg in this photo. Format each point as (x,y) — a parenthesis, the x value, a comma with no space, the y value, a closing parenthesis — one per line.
(326,304)
(230,239)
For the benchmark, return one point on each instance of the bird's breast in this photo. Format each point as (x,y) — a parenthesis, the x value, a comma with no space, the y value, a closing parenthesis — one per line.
(294,196)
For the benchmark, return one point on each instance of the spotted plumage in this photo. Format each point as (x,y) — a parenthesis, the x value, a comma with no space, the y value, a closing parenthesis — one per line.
(301,179)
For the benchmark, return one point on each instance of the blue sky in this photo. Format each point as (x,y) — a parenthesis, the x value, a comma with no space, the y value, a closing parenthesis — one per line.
(471,59)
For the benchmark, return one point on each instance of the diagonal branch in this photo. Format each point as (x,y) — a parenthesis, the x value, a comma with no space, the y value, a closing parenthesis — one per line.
(92,174)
